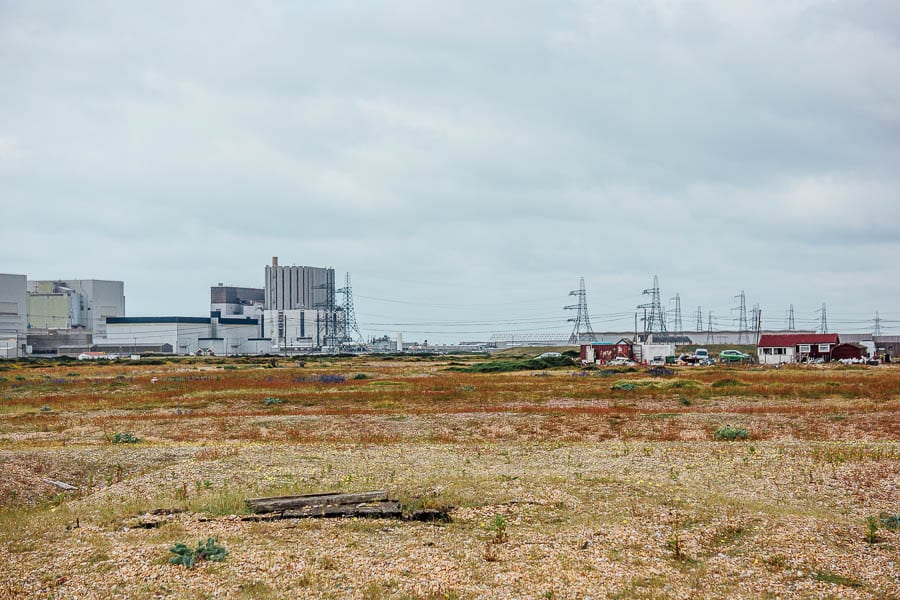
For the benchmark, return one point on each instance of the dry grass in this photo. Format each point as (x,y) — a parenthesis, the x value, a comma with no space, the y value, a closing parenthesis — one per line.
(596,486)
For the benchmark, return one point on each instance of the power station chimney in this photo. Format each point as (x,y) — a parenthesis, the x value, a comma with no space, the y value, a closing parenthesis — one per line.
(274,261)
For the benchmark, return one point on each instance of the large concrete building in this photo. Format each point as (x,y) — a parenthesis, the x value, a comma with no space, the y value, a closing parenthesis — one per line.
(231,301)
(291,287)
(13,315)
(183,335)
(75,303)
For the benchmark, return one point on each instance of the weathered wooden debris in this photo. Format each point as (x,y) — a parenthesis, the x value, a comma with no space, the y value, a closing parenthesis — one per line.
(283,503)
(362,505)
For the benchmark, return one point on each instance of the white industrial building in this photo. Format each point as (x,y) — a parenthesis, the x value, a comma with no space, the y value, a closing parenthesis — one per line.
(88,302)
(13,315)
(183,335)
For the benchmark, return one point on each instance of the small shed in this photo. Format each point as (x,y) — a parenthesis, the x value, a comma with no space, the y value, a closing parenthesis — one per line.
(603,352)
(848,350)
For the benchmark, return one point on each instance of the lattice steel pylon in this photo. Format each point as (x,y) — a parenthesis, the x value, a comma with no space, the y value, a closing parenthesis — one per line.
(709,333)
(678,326)
(823,324)
(877,329)
(655,322)
(699,319)
(350,325)
(742,316)
(582,329)
(790,323)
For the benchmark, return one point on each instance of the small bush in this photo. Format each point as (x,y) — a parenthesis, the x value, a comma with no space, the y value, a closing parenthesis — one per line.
(125,438)
(205,551)
(273,401)
(465,388)
(728,383)
(360,376)
(685,401)
(872,529)
(729,433)
(497,528)
(624,386)
(46,409)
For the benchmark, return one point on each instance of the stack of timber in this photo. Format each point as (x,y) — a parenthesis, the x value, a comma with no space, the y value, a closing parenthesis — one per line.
(367,505)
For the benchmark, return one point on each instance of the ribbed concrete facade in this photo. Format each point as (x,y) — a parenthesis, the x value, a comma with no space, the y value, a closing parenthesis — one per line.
(289,288)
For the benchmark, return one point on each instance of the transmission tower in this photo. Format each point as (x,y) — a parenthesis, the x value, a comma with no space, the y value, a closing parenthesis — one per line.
(582,329)
(742,315)
(823,323)
(329,329)
(709,335)
(655,322)
(678,327)
(350,325)
(754,316)
(699,319)
(790,323)
(877,330)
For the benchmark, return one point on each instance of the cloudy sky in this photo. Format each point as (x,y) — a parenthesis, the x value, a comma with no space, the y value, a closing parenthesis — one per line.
(466,162)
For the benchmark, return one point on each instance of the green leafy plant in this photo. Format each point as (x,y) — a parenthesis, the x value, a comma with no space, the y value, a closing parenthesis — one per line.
(273,401)
(125,438)
(188,557)
(729,433)
(872,529)
(497,528)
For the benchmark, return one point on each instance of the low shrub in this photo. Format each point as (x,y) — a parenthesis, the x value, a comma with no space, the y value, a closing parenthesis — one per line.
(273,401)
(205,551)
(891,522)
(728,383)
(125,438)
(729,433)
(623,386)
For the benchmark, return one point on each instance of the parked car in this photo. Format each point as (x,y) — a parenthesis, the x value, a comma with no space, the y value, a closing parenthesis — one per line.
(727,356)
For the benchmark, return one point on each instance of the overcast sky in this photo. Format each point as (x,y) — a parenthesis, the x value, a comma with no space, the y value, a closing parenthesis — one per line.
(466,162)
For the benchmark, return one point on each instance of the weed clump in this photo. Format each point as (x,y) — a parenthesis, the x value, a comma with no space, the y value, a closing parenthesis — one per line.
(729,433)
(205,551)
(506,366)
(125,438)
(623,386)
(891,522)
(273,401)
(728,383)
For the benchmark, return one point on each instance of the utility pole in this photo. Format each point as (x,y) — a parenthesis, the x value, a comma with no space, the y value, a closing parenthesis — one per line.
(823,323)
(581,319)
(758,322)
(742,315)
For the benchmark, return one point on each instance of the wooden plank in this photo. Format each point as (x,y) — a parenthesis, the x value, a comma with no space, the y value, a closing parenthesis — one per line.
(282,503)
(60,484)
(364,511)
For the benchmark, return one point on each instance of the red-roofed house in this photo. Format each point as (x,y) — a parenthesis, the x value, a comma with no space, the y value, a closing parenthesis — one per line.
(777,348)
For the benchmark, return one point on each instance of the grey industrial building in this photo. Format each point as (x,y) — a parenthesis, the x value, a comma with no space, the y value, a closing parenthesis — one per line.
(291,287)
(13,315)
(231,301)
